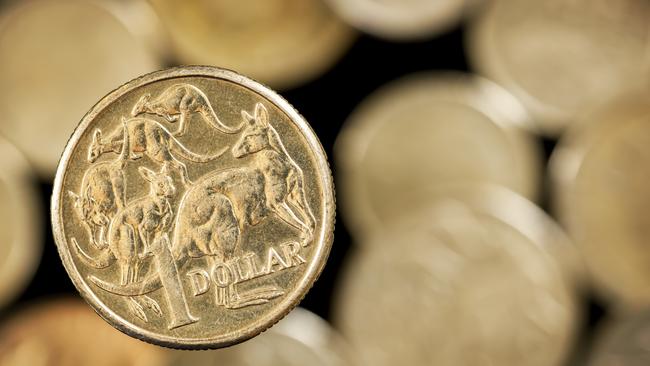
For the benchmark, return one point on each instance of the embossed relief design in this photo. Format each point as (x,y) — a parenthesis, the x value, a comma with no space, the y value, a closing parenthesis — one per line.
(149,240)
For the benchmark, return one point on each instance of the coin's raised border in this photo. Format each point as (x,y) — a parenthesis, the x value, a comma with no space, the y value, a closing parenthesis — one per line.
(324,238)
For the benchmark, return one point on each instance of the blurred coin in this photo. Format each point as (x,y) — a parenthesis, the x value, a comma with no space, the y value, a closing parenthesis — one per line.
(67,332)
(143,22)
(302,338)
(561,57)
(279,42)
(56,58)
(500,205)
(20,223)
(400,19)
(431,129)
(460,288)
(624,342)
(600,172)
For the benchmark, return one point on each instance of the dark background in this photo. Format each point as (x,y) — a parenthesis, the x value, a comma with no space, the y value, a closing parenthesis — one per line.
(326,102)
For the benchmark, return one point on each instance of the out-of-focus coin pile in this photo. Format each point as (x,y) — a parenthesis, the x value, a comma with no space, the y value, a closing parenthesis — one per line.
(491,157)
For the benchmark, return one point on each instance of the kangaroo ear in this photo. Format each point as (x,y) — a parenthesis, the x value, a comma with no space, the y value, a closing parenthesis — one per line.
(147,174)
(247,117)
(97,134)
(261,114)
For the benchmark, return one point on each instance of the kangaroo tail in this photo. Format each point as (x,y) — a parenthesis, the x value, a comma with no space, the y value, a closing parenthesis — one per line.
(209,115)
(146,286)
(187,154)
(104,260)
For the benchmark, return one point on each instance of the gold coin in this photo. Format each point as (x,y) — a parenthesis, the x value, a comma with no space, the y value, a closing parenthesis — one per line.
(501,205)
(431,129)
(458,287)
(400,19)
(20,223)
(67,332)
(302,338)
(56,59)
(279,42)
(561,57)
(600,172)
(193,208)
(624,341)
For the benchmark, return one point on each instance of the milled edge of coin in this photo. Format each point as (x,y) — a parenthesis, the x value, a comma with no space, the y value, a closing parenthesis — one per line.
(27,241)
(358,130)
(566,161)
(325,238)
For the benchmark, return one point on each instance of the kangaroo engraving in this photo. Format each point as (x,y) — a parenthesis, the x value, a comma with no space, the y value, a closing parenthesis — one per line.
(215,209)
(177,103)
(283,178)
(102,194)
(150,138)
(131,233)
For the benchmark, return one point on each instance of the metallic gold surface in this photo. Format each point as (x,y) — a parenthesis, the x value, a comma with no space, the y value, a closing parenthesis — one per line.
(400,19)
(279,42)
(67,332)
(193,208)
(561,57)
(427,130)
(456,287)
(56,59)
(301,338)
(600,172)
(624,341)
(20,223)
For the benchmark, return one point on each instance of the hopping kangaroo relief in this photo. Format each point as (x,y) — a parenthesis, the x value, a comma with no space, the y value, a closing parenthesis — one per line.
(188,239)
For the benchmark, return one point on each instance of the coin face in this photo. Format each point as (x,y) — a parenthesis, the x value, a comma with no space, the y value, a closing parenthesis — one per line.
(458,281)
(501,205)
(193,208)
(87,51)
(599,173)
(561,57)
(400,19)
(279,42)
(67,332)
(431,129)
(20,223)
(624,342)
(302,338)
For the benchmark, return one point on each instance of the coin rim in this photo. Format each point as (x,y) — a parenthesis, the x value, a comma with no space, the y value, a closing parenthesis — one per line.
(325,237)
